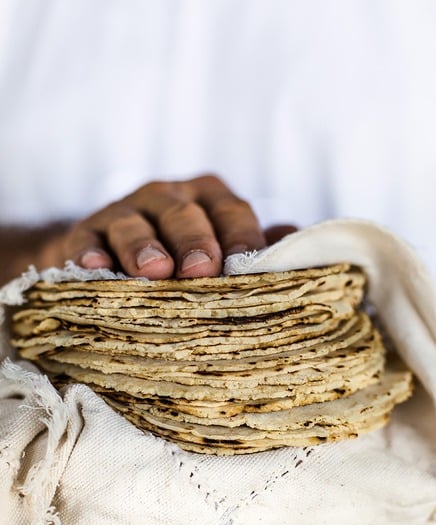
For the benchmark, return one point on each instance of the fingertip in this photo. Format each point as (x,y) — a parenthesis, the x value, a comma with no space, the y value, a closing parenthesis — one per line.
(153,264)
(148,255)
(198,263)
(95,258)
(194,259)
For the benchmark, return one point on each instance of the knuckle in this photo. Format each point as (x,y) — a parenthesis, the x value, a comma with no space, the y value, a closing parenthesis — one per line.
(117,210)
(116,229)
(101,220)
(230,205)
(152,190)
(156,186)
(75,240)
(76,232)
(208,178)
(120,224)
(117,219)
(180,210)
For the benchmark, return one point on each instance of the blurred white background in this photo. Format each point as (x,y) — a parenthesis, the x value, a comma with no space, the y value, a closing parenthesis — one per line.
(309,110)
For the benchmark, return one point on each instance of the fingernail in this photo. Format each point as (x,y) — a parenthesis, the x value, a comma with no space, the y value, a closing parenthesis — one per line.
(193,259)
(93,259)
(147,255)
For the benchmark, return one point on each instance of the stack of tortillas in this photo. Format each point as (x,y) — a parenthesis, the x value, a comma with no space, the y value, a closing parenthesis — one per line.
(222,365)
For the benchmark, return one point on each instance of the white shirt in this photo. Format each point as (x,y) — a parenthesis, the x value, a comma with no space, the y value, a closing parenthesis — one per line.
(309,110)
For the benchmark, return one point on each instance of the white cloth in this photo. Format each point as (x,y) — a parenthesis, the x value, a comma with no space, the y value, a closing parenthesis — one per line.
(72,460)
(310,110)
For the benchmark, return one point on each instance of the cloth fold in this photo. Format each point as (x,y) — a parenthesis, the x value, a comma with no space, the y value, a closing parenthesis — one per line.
(70,459)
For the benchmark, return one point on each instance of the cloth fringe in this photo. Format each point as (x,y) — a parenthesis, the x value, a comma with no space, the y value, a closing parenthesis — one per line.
(38,484)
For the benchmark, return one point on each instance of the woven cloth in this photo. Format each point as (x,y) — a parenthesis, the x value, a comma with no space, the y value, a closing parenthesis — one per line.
(70,459)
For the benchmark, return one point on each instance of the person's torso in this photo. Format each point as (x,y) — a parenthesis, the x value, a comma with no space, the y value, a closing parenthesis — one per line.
(309,110)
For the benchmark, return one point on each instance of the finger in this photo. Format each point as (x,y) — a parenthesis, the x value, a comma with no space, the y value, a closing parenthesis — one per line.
(235,223)
(183,226)
(275,233)
(189,235)
(83,245)
(133,240)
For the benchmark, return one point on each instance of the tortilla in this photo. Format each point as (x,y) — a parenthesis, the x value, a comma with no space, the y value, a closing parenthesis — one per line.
(222,365)
(363,411)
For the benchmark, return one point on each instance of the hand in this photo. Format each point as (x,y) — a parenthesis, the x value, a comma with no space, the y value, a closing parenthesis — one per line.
(164,229)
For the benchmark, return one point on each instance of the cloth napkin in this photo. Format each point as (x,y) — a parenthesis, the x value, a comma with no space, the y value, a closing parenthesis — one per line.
(70,459)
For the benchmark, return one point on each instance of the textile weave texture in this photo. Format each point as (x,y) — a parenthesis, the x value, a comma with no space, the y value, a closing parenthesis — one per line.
(68,458)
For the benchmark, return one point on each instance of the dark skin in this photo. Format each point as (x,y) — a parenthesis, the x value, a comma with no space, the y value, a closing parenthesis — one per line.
(162,230)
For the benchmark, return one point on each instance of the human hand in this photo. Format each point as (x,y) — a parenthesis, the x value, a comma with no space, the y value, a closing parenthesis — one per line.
(165,229)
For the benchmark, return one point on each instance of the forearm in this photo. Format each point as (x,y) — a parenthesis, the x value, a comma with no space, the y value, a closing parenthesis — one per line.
(21,246)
